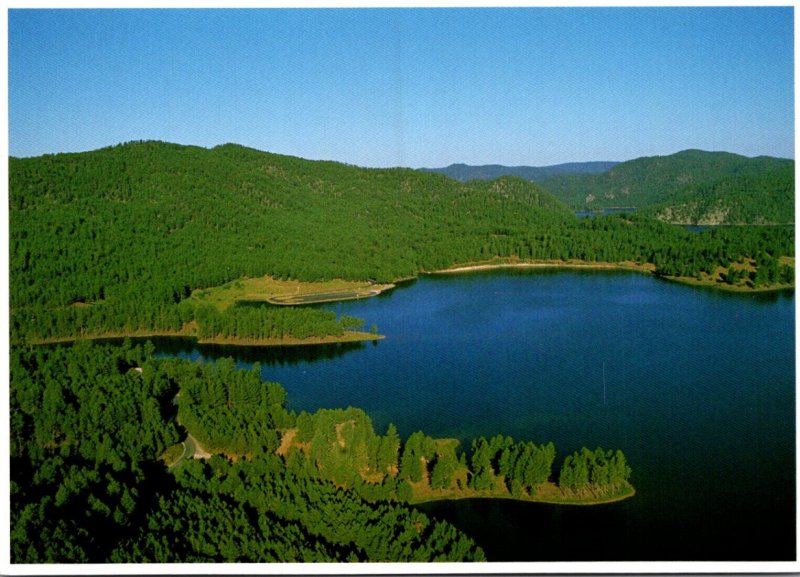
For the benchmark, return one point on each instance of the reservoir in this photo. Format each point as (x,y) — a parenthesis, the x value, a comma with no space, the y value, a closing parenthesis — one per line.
(696,386)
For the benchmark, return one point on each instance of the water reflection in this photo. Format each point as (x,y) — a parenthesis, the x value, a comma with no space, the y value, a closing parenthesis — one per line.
(268,356)
(695,385)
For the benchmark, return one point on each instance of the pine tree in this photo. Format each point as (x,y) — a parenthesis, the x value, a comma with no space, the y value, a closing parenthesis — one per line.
(388,450)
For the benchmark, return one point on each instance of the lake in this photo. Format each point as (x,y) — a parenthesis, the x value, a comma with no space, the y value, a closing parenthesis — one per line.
(605,211)
(696,386)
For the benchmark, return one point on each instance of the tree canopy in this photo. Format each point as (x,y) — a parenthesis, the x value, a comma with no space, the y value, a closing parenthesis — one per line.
(114,241)
(90,424)
(664,180)
(91,481)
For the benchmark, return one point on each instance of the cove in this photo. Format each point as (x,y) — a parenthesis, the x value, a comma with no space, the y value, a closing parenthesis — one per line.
(696,386)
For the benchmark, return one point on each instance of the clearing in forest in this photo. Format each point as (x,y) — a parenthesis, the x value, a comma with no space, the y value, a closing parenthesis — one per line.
(285,292)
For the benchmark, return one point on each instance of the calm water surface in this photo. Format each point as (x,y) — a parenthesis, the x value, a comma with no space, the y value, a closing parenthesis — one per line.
(696,386)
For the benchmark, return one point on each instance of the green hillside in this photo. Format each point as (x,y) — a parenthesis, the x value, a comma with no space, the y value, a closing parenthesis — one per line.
(92,427)
(155,220)
(765,198)
(115,241)
(154,238)
(652,180)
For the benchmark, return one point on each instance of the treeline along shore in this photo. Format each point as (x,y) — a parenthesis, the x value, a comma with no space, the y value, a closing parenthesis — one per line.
(736,277)
(126,239)
(99,474)
(271,328)
(152,238)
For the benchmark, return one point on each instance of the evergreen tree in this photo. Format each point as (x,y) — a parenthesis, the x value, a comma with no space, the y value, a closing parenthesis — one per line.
(389,450)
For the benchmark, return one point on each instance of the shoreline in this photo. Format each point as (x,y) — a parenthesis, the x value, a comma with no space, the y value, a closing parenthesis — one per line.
(347,337)
(739,289)
(570,264)
(628,493)
(645,268)
(360,336)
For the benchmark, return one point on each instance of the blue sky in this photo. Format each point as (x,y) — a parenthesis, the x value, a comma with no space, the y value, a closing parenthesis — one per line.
(407,87)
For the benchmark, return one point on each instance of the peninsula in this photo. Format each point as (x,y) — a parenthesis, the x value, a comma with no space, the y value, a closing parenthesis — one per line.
(340,446)
(307,232)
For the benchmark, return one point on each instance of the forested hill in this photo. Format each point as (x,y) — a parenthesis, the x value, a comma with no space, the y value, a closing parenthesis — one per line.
(154,220)
(764,198)
(116,240)
(111,240)
(466,172)
(654,180)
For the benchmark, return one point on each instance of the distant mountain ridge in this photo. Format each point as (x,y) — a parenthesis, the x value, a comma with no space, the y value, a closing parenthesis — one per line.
(688,187)
(465,172)
(652,180)
(118,239)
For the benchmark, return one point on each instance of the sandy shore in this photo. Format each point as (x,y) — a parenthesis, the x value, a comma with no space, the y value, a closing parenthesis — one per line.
(574,264)
(647,268)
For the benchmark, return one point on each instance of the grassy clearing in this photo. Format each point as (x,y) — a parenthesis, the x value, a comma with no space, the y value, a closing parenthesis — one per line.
(289,292)
(287,441)
(173,454)
(343,295)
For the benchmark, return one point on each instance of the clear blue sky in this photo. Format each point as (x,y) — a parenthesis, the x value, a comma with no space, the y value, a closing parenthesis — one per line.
(407,87)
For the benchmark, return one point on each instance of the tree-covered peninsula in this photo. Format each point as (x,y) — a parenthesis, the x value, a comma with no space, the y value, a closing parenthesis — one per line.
(102,440)
(218,406)
(118,456)
(126,240)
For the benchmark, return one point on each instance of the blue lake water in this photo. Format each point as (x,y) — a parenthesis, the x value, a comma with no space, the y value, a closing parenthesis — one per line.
(696,386)
(605,211)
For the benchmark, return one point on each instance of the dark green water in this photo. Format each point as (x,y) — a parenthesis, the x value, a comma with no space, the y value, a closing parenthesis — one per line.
(696,386)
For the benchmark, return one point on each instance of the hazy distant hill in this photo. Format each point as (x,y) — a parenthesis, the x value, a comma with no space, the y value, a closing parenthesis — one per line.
(465,172)
(657,180)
